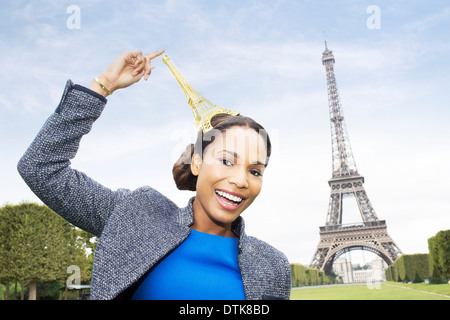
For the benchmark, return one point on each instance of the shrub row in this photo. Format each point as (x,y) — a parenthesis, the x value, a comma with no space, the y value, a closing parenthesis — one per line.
(409,267)
(302,276)
(439,257)
(434,266)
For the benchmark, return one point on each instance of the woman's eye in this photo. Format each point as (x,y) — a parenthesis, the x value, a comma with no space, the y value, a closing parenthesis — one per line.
(227,162)
(256,173)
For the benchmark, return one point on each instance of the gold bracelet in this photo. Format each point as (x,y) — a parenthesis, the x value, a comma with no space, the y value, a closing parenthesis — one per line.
(103,87)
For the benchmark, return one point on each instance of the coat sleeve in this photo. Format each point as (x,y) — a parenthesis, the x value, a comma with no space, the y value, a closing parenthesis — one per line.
(46,169)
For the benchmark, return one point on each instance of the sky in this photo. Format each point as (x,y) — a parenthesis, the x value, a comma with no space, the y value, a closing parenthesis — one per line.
(262,58)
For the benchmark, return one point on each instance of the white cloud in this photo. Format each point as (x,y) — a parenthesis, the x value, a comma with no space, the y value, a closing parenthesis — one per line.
(430,21)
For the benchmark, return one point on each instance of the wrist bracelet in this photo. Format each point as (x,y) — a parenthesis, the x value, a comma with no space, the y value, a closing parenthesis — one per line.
(103,87)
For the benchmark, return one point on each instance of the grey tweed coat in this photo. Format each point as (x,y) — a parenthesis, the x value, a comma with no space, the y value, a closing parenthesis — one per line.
(136,229)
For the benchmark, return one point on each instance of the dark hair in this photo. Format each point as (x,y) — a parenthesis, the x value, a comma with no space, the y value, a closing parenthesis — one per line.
(182,174)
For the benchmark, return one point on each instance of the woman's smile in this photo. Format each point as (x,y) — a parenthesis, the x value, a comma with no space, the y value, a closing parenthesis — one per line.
(229,200)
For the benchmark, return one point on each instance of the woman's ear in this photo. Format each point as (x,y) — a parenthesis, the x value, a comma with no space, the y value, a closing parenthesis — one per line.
(196,163)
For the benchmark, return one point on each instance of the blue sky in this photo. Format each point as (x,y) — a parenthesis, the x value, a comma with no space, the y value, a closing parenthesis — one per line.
(262,58)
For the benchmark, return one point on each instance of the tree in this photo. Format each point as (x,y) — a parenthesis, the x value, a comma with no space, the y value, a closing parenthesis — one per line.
(298,275)
(439,258)
(37,245)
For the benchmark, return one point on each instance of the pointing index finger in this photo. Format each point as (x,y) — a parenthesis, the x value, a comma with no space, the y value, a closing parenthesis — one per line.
(155,54)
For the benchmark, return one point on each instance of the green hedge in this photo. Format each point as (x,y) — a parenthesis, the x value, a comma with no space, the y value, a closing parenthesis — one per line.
(439,258)
(434,266)
(298,275)
(411,267)
(302,276)
(391,274)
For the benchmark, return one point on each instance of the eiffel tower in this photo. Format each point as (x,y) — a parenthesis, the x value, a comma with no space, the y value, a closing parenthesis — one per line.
(337,238)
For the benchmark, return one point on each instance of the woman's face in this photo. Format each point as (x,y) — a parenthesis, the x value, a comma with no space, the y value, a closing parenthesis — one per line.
(229,175)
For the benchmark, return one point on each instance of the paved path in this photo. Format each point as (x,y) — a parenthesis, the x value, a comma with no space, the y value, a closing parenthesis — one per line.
(438,294)
(331,285)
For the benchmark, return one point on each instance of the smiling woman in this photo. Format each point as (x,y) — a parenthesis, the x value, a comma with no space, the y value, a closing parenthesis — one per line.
(225,167)
(148,247)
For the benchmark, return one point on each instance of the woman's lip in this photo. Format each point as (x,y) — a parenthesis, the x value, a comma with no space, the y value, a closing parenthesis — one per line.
(226,204)
(232,193)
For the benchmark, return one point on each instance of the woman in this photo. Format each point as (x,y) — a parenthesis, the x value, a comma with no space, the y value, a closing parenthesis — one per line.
(148,247)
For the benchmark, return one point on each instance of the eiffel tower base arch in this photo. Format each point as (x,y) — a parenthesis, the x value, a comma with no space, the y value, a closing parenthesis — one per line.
(336,240)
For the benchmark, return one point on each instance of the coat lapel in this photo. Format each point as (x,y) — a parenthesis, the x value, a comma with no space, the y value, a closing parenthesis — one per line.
(131,244)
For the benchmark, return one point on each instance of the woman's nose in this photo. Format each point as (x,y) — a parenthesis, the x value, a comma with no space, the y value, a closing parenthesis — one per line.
(239,178)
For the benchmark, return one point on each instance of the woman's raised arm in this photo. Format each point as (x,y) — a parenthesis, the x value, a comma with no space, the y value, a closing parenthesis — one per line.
(45,166)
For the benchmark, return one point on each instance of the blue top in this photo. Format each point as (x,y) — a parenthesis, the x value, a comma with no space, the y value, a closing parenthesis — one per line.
(203,267)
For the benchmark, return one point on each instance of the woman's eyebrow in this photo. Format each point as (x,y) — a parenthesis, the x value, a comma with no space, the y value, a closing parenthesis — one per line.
(259,163)
(234,154)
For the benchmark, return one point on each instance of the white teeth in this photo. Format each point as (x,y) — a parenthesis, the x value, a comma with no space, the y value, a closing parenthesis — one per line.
(229,196)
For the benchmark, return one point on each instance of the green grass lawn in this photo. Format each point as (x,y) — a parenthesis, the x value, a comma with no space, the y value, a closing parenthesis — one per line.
(385,291)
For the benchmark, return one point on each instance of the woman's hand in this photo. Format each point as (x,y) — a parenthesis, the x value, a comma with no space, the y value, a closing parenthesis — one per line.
(128,68)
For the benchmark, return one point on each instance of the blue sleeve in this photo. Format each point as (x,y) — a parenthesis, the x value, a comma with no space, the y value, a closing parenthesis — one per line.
(46,169)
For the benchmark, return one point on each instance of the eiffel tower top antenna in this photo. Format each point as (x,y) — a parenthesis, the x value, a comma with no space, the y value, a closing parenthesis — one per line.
(325,39)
